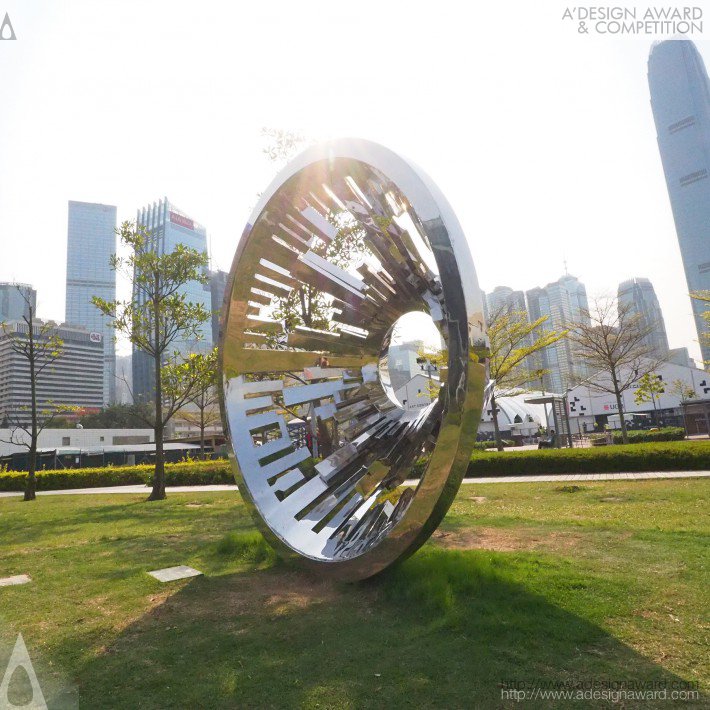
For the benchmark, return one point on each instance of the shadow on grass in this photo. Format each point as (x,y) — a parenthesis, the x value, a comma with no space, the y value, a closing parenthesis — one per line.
(126,514)
(444,629)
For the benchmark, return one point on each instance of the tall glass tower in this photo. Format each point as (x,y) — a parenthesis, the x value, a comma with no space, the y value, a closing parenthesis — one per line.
(564,302)
(680,99)
(91,241)
(169,227)
(639,296)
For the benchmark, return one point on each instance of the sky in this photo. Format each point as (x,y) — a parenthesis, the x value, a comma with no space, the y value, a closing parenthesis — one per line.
(541,137)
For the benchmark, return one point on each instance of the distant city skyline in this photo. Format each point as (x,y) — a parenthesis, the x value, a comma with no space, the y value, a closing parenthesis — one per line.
(548,154)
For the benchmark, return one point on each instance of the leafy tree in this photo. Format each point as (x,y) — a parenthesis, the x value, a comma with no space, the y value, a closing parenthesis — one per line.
(204,397)
(613,341)
(681,389)
(39,344)
(156,319)
(513,339)
(650,389)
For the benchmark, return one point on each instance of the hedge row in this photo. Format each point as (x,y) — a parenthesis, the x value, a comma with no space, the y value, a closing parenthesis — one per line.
(186,473)
(669,433)
(671,456)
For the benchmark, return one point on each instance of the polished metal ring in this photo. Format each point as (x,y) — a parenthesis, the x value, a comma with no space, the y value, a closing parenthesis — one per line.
(351,434)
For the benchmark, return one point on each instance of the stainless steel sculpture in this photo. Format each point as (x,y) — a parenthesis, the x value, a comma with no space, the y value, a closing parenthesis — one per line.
(348,238)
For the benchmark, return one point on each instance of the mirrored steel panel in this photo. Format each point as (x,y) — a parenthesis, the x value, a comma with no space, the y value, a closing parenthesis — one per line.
(330,399)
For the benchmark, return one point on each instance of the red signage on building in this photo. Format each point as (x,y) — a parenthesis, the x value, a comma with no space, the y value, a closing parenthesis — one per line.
(176,218)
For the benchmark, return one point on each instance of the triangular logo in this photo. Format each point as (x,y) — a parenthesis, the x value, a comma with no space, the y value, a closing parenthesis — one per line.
(6,29)
(21,659)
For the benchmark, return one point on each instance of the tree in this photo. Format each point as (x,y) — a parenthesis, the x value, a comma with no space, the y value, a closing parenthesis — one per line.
(613,340)
(650,389)
(513,338)
(681,389)
(156,319)
(204,397)
(40,346)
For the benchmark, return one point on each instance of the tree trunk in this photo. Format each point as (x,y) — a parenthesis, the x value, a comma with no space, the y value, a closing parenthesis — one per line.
(202,433)
(31,485)
(158,492)
(620,407)
(494,409)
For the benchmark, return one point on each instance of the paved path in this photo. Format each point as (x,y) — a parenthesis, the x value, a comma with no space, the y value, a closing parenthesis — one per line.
(412,482)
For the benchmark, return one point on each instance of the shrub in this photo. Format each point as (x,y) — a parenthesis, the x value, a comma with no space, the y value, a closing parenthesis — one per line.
(669,433)
(671,456)
(185,473)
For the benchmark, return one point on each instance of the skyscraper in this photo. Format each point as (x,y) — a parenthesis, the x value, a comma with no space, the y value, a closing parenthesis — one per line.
(564,302)
(169,227)
(91,241)
(680,99)
(503,298)
(15,301)
(639,297)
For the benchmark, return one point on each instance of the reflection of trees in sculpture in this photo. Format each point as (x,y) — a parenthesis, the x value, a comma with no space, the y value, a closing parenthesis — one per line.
(513,338)
(308,306)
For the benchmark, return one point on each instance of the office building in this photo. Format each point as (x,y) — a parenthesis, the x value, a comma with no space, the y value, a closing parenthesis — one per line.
(504,299)
(638,297)
(218,285)
(91,241)
(169,227)
(680,99)
(124,379)
(564,302)
(16,300)
(76,378)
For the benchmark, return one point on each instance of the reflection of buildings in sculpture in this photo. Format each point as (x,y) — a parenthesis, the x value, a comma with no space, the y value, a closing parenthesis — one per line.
(680,99)
(91,242)
(417,392)
(564,302)
(639,298)
(15,301)
(169,227)
(414,378)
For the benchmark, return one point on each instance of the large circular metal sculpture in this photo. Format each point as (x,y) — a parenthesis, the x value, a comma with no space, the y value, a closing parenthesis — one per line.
(347,239)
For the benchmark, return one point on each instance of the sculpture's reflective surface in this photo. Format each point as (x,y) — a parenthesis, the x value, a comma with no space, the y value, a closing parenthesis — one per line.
(327,405)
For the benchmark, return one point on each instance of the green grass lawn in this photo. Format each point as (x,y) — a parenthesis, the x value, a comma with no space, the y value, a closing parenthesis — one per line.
(522,582)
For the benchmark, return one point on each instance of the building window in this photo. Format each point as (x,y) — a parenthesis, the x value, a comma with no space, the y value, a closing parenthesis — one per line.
(101,438)
(680,125)
(693,177)
(66,440)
